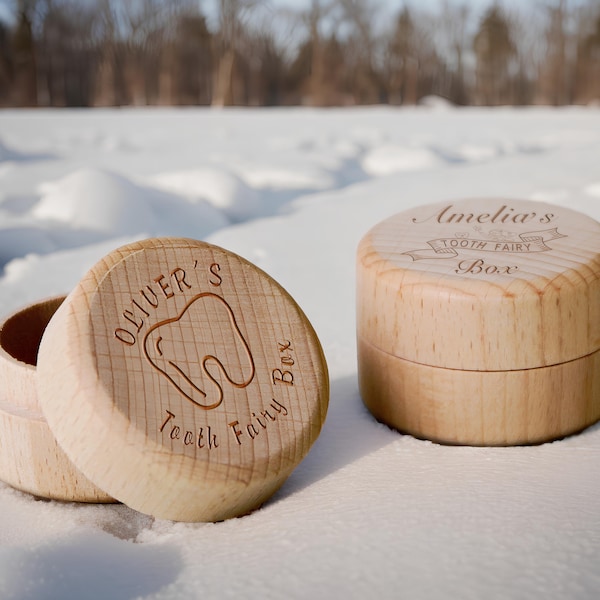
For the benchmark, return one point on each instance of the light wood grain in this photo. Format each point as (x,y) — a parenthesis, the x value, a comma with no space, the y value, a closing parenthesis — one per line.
(30,457)
(491,408)
(433,311)
(473,298)
(183,380)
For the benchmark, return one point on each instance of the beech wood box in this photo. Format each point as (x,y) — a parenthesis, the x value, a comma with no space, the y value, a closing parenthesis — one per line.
(30,457)
(478,322)
(177,378)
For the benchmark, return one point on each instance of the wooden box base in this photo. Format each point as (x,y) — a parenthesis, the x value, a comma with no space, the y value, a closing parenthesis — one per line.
(30,458)
(481,408)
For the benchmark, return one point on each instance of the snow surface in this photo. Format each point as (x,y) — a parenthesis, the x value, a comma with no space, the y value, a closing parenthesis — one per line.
(369,513)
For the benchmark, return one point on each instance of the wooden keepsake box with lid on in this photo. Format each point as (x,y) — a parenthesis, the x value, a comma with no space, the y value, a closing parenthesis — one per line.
(479,322)
(177,378)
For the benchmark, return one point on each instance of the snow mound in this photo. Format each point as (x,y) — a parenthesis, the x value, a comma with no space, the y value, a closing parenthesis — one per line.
(98,201)
(94,200)
(435,102)
(282,177)
(472,152)
(593,189)
(391,158)
(222,189)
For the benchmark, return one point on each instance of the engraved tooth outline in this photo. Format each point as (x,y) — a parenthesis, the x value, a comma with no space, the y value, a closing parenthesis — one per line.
(205,359)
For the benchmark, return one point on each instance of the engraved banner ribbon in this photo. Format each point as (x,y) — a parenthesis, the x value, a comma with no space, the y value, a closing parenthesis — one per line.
(449,247)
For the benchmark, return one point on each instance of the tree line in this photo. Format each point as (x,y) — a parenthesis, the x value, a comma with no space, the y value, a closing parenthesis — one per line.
(333,53)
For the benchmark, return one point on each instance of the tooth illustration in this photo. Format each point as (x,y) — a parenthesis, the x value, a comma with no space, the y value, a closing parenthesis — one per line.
(201,350)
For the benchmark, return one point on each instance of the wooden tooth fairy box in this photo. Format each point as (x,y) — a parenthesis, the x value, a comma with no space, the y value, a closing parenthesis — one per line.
(178,378)
(479,321)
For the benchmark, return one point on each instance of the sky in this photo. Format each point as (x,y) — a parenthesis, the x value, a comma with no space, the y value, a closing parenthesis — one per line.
(382,8)
(6,6)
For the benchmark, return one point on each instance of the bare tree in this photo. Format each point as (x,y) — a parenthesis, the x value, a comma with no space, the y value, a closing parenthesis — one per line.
(112,77)
(452,41)
(587,66)
(319,74)
(188,62)
(554,80)
(69,52)
(143,26)
(6,65)
(267,68)
(232,17)
(363,79)
(318,93)
(494,51)
(24,57)
(401,60)
(413,66)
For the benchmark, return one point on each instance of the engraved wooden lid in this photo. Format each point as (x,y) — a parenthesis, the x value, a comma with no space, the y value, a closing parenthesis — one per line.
(182,380)
(481,285)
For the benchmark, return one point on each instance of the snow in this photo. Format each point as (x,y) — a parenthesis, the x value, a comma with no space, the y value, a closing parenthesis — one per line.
(224,190)
(369,512)
(390,158)
(435,102)
(109,204)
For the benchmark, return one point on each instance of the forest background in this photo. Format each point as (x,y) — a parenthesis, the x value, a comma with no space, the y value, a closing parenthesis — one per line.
(82,53)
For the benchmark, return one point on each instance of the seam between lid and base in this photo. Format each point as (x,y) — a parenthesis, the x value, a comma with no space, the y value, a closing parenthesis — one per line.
(414,362)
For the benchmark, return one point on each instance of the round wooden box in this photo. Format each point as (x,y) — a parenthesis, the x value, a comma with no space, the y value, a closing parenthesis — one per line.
(478,322)
(30,457)
(182,380)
